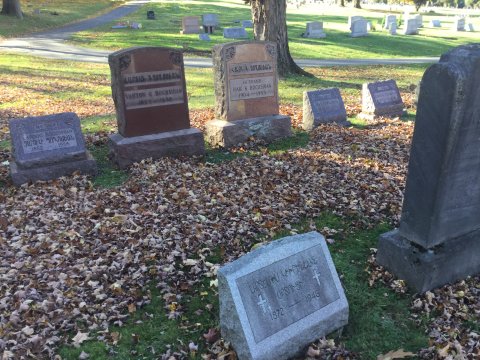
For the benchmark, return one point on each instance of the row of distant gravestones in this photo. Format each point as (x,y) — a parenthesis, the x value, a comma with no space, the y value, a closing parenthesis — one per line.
(149,92)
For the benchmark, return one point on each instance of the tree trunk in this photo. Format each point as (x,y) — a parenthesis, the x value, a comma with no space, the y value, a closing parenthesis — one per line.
(357,4)
(342,3)
(270,24)
(12,7)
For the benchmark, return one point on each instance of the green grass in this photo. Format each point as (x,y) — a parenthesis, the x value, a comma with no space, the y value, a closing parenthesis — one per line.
(165,30)
(53,13)
(378,322)
(108,175)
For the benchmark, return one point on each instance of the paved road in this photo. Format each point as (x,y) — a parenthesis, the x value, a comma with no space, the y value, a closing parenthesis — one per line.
(51,44)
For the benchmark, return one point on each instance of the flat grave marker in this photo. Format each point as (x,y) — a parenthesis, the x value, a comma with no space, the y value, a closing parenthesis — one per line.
(278,298)
(235,33)
(323,106)
(47,147)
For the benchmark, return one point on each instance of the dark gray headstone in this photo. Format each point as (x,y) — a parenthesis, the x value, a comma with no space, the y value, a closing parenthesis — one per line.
(323,106)
(150,15)
(210,20)
(235,33)
(381,98)
(47,147)
(247,23)
(441,209)
(277,299)
(204,37)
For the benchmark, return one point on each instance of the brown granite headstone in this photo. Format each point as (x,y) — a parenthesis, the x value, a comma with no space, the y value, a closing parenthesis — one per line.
(190,25)
(149,91)
(246,88)
(148,88)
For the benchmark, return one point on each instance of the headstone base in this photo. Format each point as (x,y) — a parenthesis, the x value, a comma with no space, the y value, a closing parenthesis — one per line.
(426,269)
(391,114)
(125,151)
(87,166)
(230,133)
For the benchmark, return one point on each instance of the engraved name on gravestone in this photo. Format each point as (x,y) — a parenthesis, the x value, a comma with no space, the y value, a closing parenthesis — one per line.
(381,98)
(148,87)
(323,106)
(278,298)
(47,147)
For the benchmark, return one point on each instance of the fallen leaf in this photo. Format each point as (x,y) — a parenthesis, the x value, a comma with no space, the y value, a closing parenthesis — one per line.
(398,354)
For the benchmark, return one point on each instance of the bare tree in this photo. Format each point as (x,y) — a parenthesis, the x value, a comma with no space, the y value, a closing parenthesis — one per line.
(12,7)
(270,24)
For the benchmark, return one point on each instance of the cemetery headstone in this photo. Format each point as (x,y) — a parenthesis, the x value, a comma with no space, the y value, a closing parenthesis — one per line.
(323,106)
(210,22)
(48,147)
(36,12)
(150,15)
(470,27)
(277,299)
(190,25)
(247,23)
(351,19)
(419,19)
(148,89)
(393,28)
(204,37)
(359,28)
(235,33)
(246,92)
(459,24)
(438,238)
(389,19)
(411,27)
(435,23)
(381,98)
(315,30)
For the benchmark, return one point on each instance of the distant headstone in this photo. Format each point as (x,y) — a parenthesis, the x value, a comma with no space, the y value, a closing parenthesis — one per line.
(411,27)
(419,19)
(381,98)
(148,89)
(48,147)
(389,19)
(150,15)
(190,25)
(36,12)
(210,22)
(323,106)
(235,33)
(369,26)
(315,30)
(438,238)
(435,23)
(459,24)
(204,37)
(135,25)
(351,19)
(247,23)
(393,28)
(246,92)
(470,27)
(277,299)
(359,28)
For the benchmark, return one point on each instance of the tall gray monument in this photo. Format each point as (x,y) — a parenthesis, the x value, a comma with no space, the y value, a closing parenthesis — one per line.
(438,240)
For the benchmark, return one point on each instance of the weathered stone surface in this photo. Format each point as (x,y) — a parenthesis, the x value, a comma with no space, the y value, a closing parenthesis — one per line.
(359,28)
(235,33)
(410,27)
(381,98)
(148,89)
(230,133)
(352,19)
(323,106)
(459,24)
(277,299)
(426,269)
(393,28)
(389,19)
(190,25)
(210,20)
(86,166)
(441,208)
(435,23)
(126,151)
(315,30)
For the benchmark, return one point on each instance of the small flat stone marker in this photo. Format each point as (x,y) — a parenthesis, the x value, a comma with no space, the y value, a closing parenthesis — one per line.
(323,106)
(381,98)
(149,92)
(48,147)
(435,23)
(438,240)
(246,94)
(247,23)
(280,297)
(235,33)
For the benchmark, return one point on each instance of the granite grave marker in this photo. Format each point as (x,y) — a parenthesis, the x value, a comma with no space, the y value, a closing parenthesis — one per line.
(280,297)
(459,24)
(246,92)
(190,25)
(210,22)
(235,33)
(410,27)
(48,147)
(149,92)
(438,240)
(323,106)
(435,23)
(381,98)
(389,19)
(247,23)
(315,30)
(359,28)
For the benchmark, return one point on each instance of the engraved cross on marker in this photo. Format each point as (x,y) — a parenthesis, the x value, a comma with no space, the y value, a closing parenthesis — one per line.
(316,277)
(262,303)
